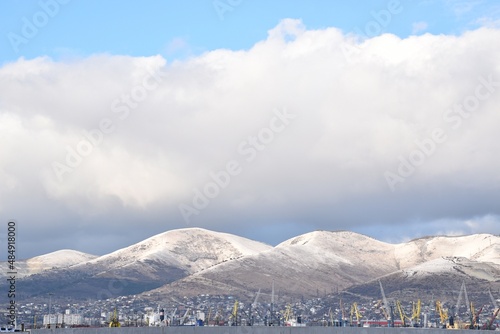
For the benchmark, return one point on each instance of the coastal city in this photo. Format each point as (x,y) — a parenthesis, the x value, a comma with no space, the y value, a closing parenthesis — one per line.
(207,310)
(249,167)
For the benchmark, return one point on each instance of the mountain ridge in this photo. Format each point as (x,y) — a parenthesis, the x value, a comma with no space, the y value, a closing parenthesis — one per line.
(343,265)
(194,261)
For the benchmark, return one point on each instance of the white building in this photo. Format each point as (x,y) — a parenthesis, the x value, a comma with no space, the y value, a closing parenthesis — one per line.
(50,319)
(73,319)
(59,320)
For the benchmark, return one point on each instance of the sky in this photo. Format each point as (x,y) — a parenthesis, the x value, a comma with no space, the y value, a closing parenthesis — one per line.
(120,120)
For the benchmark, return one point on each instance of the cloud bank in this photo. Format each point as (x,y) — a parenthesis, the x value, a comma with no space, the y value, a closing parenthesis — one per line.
(105,150)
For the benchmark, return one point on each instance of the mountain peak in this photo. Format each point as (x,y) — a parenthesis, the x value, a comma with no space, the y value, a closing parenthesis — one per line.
(63,258)
(195,260)
(323,237)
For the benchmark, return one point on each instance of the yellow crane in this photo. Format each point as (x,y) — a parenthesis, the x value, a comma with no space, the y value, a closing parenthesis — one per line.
(287,314)
(401,312)
(382,308)
(355,311)
(472,319)
(114,320)
(443,314)
(234,314)
(416,310)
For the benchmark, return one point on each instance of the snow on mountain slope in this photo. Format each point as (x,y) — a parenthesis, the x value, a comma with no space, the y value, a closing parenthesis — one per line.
(490,253)
(458,265)
(321,261)
(316,261)
(146,265)
(482,247)
(188,250)
(194,261)
(59,259)
(439,278)
(342,248)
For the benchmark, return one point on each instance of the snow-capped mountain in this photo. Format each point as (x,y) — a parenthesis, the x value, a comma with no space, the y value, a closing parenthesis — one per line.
(188,250)
(59,259)
(195,261)
(479,247)
(321,262)
(160,259)
(313,262)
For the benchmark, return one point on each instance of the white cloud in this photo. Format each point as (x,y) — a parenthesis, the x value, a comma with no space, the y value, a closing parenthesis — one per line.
(488,22)
(418,27)
(461,7)
(325,170)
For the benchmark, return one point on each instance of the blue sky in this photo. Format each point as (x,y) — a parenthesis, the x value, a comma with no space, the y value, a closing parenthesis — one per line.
(177,29)
(117,117)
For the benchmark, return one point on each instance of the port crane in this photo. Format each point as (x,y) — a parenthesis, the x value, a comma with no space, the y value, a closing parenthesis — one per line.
(250,312)
(287,314)
(114,320)
(489,324)
(443,314)
(473,321)
(474,324)
(185,316)
(172,316)
(330,316)
(272,306)
(234,314)
(415,314)
(218,317)
(496,310)
(388,309)
(455,319)
(469,306)
(209,317)
(253,306)
(401,312)
(382,308)
(355,312)
(416,310)
(343,312)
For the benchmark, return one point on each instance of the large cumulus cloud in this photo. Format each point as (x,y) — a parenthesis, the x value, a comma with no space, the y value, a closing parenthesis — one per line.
(358,107)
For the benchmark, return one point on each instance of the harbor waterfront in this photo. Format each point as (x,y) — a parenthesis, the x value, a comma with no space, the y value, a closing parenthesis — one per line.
(251,330)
